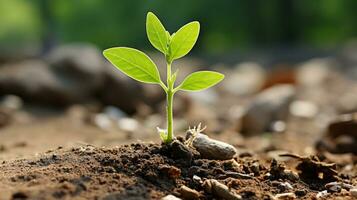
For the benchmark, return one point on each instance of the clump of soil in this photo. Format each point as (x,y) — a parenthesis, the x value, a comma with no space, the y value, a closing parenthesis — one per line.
(149,171)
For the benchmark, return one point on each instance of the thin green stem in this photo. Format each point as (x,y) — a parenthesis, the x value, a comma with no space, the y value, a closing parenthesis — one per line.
(169,117)
(163,86)
(169,98)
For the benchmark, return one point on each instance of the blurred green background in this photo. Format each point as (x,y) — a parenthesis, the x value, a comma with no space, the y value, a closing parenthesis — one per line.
(227,25)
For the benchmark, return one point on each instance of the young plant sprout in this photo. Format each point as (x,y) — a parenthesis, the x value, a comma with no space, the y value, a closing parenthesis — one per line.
(140,67)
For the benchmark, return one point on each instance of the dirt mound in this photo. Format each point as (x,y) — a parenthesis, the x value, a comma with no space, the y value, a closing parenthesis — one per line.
(152,171)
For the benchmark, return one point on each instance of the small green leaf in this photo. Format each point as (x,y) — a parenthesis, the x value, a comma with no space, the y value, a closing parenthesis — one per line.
(201,80)
(174,76)
(162,133)
(156,33)
(133,63)
(183,40)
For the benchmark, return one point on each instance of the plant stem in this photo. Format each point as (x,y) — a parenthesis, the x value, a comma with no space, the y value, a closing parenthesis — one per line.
(169,99)
(169,117)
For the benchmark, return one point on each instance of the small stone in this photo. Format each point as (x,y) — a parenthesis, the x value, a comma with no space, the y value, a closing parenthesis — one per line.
(114,113)
(333,187)
(354,192)
(314,72)
(292,176)
(11,102)
(188,193)
(278,126)
(197,179)
(128,124)
(247,78)
(347,186)
(222,191)
(303,109)
(287,185)
(288,195)
(300,193)
(170,197)
(102,121)
(213,149)
(267,107)
(322,194)
(255,168)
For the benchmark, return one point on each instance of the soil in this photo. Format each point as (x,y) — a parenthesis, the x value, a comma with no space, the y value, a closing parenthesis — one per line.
(152,171)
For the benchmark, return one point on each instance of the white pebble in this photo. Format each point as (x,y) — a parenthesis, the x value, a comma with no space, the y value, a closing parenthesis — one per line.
(354,192)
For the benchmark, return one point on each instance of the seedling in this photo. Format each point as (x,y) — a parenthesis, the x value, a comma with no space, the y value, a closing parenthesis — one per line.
(140,67)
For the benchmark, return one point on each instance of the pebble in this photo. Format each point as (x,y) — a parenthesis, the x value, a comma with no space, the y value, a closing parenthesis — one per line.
(222,191)
(102,121)
(314,72)
(354,192)
(347,186)
(197,179)
(11,102)
(322,194)
(333,186)
(300,193)
(213,149)
(267,107)
(188,193)
(114,113)
(303,109)
(288,195)
(287,185)
(170,197)
(247,78)
(128,124)
(282,186)
(292,176)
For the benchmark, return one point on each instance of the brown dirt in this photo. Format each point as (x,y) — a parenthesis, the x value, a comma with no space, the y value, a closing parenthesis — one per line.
(151,171)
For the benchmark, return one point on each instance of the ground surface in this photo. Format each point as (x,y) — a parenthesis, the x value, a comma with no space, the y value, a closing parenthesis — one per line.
(150,171)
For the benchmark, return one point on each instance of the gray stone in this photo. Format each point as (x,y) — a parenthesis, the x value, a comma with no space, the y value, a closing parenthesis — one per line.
(213,149)
(315,72)
(33,81)
(79,68)
(267,107)
(247,78)
(69,74)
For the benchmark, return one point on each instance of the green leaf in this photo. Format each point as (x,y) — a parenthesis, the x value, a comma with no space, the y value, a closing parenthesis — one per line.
(183,40)
(162,133)
(133,63)
(201,80)
(156,33)
(174,76)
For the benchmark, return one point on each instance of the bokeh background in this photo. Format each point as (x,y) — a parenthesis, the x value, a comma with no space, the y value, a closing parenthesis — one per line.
(290,66)
(228,26)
